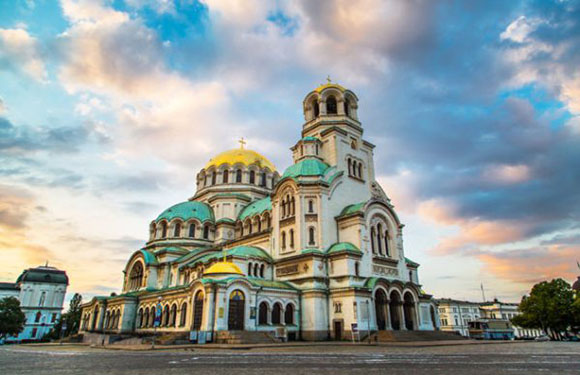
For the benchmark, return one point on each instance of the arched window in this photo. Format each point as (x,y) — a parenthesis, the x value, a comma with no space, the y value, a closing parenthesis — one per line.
(283,240)
(256,269)
(311,236)
(192,230)
(145,322)
(250,268)
(263,179)
(259,225)
(347,107)
(283,208)
(136,276)
(206,232)
(239,176)
(293,206)
(140,318)
(373,240)
(289,314)
(315,108)
(163,229)
(226,176)
(263,313)
(252,177)
(165,319)
(213,178)
(198,310)
(310,206)
(349,166)
(360,170)
(183,317)
(276,312)
(291,233)
(173,318)
(379,242)
(357,269)
(262,271)
(250,229)
(331,105)
(387,250)
(177,229)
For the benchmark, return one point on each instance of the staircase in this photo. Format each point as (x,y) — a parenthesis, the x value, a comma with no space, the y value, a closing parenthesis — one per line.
(245,337)
(171,338)
(408,336)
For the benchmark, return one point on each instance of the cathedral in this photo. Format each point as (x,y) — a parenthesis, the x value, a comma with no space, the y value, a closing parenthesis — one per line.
(311,253)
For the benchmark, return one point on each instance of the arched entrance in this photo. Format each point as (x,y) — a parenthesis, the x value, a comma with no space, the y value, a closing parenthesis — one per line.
(197,310)
(236,311)
(394,309)
(409,311)
(381,309)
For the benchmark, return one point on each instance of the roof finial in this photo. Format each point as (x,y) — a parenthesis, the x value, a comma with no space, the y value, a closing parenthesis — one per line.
(328,79)
(242,143)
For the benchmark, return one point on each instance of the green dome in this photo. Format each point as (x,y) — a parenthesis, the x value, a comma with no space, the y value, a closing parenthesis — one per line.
(188,210)
(256,207)
(306,167)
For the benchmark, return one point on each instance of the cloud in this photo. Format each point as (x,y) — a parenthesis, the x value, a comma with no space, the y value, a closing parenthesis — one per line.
(20,51)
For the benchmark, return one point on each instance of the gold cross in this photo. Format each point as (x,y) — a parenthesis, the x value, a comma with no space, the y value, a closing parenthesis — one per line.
(328,79)
(242,143)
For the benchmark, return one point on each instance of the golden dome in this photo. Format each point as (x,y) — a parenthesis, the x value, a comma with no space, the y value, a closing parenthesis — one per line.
(242,156)
(223,268)
(328,85)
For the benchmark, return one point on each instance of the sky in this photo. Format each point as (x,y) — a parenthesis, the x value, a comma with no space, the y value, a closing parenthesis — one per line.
(109,108)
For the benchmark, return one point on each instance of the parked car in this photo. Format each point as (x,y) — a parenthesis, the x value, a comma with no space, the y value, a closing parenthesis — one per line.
(542,338)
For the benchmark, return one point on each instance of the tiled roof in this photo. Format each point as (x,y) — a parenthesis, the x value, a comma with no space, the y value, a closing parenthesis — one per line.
(255,208)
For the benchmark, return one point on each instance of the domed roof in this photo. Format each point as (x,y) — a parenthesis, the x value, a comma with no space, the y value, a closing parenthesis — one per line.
(188,210)
(306,167)
(242,156)
(223,268)
(329,85)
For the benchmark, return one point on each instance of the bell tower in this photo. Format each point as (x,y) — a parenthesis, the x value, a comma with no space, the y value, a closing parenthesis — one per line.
(331,117)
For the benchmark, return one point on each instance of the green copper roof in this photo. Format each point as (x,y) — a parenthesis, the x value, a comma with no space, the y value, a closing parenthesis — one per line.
(225,220)
(238,251)
(306,167)
(352,209)
(188,210)
(411,263)
(171,249)
(270,283)
(150,259)
(311,251)
(232,195)
(48,275)
(343,247)
(310,139)
(256,207)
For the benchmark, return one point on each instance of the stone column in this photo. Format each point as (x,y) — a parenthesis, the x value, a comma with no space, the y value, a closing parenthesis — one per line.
(389,326)
(401,310)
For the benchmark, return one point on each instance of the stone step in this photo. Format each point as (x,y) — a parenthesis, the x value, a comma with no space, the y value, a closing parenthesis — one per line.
(407,336)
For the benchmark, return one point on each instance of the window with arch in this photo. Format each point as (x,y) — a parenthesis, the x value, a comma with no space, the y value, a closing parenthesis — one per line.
(360,170)
(256,270)
(276,313)
(213,178)
(173,316)
(177,229)
(225,176)
(387,249)
(262,267)
(145,320)
(192,230)
(291,235)
(289,314)
(357,269)
(315,108)
(250,268)
(163,229)
(311,240)
(263,313)
(252,177)
(283,240)
(379,242)
(331,107)
(206,232)
(349,162)
(373,240)
(183,316)
(136,276)
(347,107)
(310,206)
(263,179)
(239,176)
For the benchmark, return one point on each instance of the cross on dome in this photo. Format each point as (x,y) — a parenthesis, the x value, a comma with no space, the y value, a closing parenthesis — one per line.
(242,143)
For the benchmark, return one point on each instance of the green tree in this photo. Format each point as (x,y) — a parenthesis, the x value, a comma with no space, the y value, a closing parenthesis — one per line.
(549,306)
(71,319)
(12,318)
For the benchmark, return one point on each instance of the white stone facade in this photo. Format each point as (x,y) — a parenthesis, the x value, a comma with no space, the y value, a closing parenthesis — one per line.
(314,245)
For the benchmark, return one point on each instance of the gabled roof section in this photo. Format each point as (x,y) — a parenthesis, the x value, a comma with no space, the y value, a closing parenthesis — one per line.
(343,247)
(353,209)
(255,208)
(411,263)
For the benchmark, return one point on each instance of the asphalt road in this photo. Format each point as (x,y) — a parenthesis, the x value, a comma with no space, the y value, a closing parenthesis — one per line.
(533,358)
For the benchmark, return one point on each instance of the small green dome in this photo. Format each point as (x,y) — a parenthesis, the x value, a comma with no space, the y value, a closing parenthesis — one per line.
(188,210)
(306,167)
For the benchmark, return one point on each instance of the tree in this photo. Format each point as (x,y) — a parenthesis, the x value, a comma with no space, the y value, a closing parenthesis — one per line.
(71,319)
(12,318)
(549,306)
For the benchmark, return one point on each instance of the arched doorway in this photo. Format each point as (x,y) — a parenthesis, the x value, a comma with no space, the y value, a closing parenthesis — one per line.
(197,310)
(409,311)
(236,311)
(381,309)
(394,308)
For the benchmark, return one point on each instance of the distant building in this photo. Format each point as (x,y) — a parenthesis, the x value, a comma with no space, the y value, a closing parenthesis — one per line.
(41,293)
(506,311)
(454,315)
